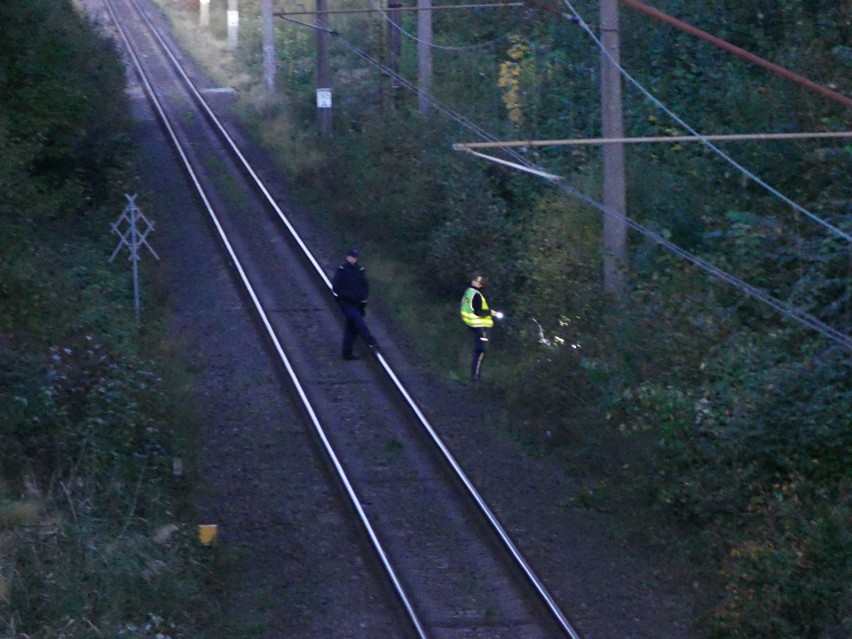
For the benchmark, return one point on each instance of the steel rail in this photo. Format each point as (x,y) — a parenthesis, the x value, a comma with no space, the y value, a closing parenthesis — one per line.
(244,163)
(497,527)
(540,588)
(350,490)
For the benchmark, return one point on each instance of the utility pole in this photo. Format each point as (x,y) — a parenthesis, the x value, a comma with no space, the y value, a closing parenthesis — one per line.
(615,226)
(233,19)
(424,52)
(268,45)
(323,71)
(204,13)
(394,43)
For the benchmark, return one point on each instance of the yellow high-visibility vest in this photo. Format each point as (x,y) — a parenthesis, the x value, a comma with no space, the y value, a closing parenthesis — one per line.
(468,316)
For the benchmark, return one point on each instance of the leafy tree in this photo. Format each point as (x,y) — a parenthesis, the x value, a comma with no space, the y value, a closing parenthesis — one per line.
(63,104)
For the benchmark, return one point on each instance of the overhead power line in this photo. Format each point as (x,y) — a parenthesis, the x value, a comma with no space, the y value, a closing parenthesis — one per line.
(799,316)
(651,139)
(727,46)
(496,5)
(579,20)
(520,167)
(443,47)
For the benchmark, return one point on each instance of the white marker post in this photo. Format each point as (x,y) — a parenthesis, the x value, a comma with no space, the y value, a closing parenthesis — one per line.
(204,13)
(233,20)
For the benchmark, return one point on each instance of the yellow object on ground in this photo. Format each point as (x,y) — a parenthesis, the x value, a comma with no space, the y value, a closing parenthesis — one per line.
(207,533)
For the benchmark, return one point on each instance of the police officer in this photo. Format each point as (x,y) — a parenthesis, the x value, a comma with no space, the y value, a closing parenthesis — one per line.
(476,314)
(351,288)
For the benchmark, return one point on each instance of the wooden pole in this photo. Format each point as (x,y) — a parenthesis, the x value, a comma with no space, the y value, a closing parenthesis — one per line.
(233,20)
(614,226)
(424,52)
(394,42)
(323,70)
(268,45)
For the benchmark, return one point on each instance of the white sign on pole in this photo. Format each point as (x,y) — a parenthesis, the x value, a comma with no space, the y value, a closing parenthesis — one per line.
(323,98)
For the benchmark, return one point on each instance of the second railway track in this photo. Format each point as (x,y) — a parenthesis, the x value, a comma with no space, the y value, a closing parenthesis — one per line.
(453,568)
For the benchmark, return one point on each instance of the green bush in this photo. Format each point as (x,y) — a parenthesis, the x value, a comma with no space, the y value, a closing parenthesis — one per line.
(64,105)
(91,543)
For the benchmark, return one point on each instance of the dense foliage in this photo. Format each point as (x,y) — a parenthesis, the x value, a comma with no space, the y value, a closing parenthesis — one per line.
(725,417)
(720,416)
(89,545)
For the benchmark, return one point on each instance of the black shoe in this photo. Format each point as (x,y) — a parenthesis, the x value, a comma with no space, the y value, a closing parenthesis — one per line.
(351,357)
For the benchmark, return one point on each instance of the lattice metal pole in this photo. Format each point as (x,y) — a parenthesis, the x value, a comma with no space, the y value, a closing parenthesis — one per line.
(127,227)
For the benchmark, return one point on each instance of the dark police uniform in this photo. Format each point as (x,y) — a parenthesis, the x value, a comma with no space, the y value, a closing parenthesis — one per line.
(352,289)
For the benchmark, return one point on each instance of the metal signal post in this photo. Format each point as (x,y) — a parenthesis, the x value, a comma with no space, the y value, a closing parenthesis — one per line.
(133,228)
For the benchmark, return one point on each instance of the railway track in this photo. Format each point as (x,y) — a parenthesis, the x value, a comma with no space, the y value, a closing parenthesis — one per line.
(451,565)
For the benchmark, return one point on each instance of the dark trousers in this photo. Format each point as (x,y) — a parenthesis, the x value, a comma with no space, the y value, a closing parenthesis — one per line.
(355,326)
(480,341)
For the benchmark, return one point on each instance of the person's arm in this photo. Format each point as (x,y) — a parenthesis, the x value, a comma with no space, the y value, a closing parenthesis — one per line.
(366,296)
(335,281)
(342,285)
(476,304)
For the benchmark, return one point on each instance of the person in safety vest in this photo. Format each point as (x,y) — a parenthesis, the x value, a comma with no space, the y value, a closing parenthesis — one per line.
(352,289)
(476,314)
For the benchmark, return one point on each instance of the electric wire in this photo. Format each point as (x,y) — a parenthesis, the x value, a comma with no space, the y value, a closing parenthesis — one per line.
(432,45)
(305,24)
(801,317)
(737,51)
(331,12)
(403,81)
(506,144)
(579,20)
(575,18)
